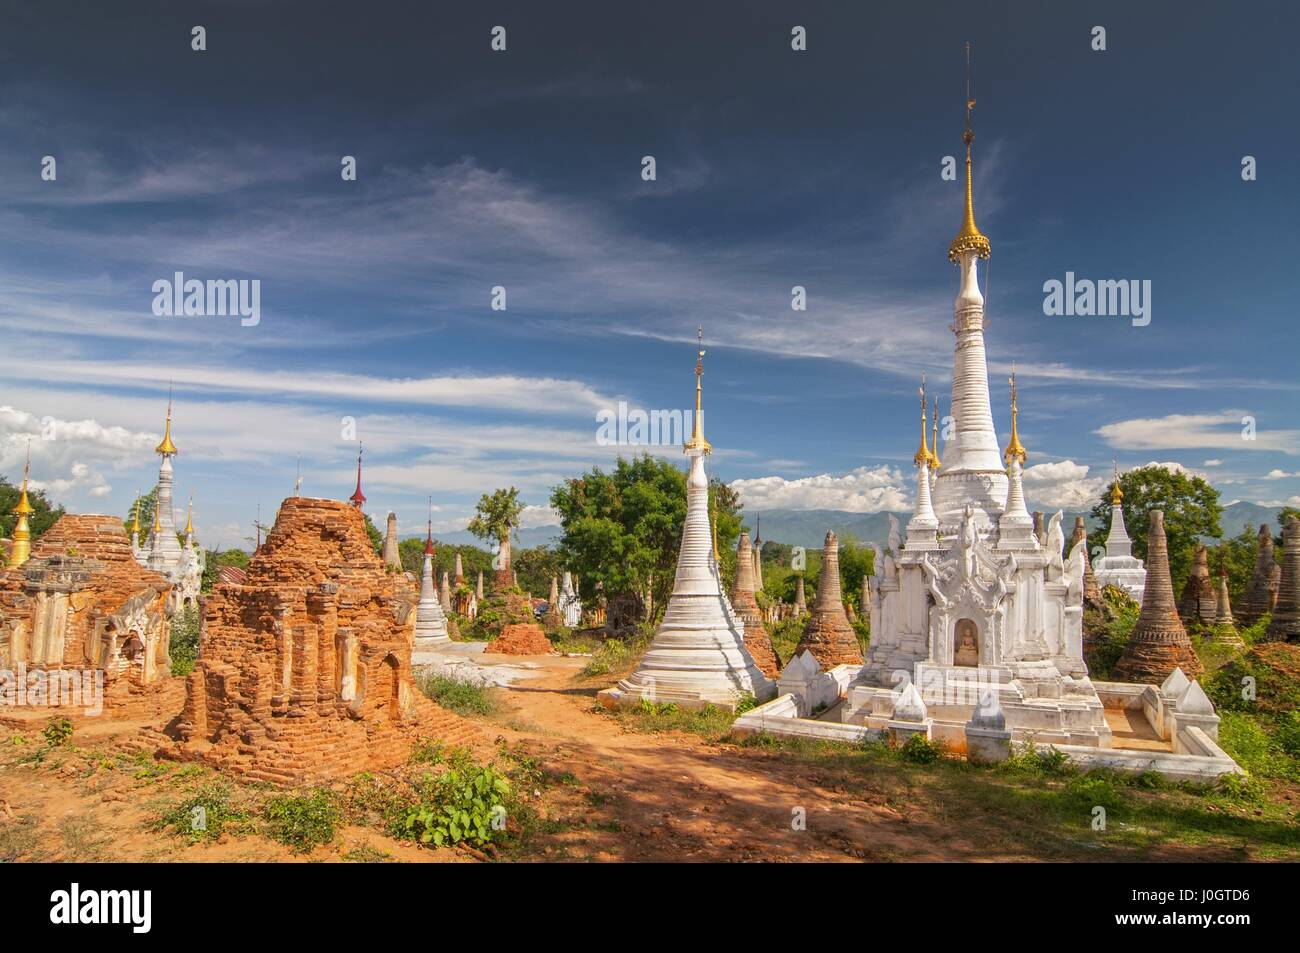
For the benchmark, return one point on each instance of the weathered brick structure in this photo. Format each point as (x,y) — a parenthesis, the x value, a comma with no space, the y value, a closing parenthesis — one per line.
(305,670)
(1261,590)
(1199,602)
(82,609)
(829,635)
(521,638)
(1159,643)
(743,601)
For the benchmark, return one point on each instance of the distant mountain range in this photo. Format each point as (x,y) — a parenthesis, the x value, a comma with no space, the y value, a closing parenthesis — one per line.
(808,527)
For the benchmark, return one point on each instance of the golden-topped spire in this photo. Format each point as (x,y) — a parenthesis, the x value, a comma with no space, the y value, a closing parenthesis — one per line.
(189,518)
(922,457)
(697,441)
(22,545)
(25,507)
(157,523)
(1015,450)
(1116,494)
(935,462)
(135,519)
(713,523)
(969,237)
(166,447)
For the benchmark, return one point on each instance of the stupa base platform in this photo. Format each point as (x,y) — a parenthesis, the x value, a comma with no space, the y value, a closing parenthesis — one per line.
(630,693)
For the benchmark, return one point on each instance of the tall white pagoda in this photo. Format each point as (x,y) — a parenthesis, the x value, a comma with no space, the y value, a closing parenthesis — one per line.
(431,632)
(973,609)
(164,553)
(698,655)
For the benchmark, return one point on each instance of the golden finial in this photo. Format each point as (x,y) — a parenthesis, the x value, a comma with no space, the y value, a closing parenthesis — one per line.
(697,441)
(22,545)
(922,458)
(1116,494)
(189,518)
(157,522)
(25,507)
(1015,450)
(135,519)
(969,237)
(166,447)
(935,462)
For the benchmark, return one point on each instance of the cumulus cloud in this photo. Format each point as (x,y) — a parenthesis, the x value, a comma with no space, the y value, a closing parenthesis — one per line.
(1064,485)
(864,490)
(1226,430)
(1276,474)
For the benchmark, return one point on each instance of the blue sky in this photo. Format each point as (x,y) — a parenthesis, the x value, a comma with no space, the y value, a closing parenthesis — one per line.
(522,169)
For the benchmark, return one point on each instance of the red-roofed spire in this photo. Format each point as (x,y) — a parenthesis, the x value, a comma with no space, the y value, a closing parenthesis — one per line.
(358,499)
(428,540)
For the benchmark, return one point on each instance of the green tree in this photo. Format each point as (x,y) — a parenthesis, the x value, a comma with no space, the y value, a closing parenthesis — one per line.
(376,537)
(46,514)
(1191,508)
(496,516)
(215,559)
(146,503)
(622,530)
(535,567)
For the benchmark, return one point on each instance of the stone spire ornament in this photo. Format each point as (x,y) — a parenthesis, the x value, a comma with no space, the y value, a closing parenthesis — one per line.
(923,527)
(444,593)
(972,472)
(358,499)
(758,553)
(458,577)
(1091,591)
(1119,567)
(391,557)
(746,607)
(1225,629)
(553,603)
(698,656)
(1285,624)
(1159,643)
(1199,602)
(800,605)
(935,462)
(828,635)
(1258,598)
(430,620)
(1016,528)
(478,587)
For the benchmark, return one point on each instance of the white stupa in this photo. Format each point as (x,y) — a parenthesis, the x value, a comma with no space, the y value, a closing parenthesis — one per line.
(698,655)
(570,604)
(1119,567)
(430,621)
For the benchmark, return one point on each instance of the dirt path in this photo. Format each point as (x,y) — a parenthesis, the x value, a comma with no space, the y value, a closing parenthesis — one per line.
(674,796)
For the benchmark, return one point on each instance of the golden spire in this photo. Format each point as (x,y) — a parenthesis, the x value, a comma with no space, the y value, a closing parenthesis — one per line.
(935,463)
(135,520)
(189,518)
(1015,450)
(697,441)
(969,237)
(157,524)
(21,550)
(1116,494)
(922,458)
(167,448)
(25,507)
(22,546)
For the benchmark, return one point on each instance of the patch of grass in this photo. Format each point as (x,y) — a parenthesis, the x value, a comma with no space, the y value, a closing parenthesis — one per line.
(303,822)
(366,854)
(457,694)
(710,722)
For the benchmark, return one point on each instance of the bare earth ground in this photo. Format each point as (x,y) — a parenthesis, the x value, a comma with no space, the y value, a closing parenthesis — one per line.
(627,794)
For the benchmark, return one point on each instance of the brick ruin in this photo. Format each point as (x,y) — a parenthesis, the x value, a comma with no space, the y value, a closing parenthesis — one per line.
(304,670)
(82,607)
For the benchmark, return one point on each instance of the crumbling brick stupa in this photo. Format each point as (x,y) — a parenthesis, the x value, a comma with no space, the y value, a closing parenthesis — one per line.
(92,621)
(1159,643)
(305,670)
(829,635)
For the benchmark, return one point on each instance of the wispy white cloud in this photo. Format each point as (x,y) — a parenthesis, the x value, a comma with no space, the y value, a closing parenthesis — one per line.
(1225,430)
(864,490)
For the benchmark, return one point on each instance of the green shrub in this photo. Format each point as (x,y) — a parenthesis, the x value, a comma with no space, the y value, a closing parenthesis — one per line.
(462,804)
(919,749)
(302,822)
(58,732)
(204,816)
(184,644)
